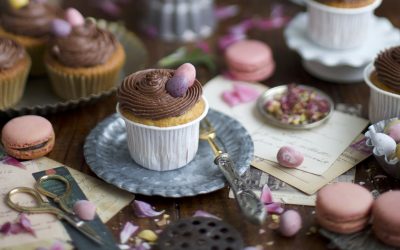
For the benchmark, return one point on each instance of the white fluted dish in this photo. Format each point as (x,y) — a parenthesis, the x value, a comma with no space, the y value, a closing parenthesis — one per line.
(382,104)
(342,66)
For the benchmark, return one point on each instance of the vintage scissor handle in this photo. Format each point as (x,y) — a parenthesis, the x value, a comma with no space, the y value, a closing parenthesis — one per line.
(40,207)
(62,199)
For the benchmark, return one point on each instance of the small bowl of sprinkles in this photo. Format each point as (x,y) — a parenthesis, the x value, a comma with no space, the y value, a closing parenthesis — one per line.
(295,106)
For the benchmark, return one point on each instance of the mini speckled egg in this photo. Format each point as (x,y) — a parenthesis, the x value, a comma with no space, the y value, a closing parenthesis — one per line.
(60,28)
(393,130)
(289,157)
(383,143)
(188,71)
(74,17)
(184,77)
(85,209)
(290,223)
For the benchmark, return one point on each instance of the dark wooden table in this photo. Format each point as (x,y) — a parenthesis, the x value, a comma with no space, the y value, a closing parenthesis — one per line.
(71,127)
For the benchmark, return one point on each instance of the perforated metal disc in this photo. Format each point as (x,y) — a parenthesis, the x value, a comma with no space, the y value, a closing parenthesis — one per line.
(199,233)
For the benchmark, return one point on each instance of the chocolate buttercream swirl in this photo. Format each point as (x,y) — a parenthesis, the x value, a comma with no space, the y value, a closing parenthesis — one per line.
(10,53)
(86,46)
(143,94)
(387,66)
(32,20)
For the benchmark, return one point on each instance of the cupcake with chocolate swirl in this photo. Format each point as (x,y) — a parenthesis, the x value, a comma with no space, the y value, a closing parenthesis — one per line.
(383,78)
(162,109)
(14,68)
(29,24)
(83,59)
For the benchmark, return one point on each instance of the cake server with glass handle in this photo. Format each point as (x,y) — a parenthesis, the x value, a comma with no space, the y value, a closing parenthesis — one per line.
(249,203)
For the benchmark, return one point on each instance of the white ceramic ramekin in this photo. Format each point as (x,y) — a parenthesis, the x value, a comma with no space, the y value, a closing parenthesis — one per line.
(339,28)
(163,148)
(382,104)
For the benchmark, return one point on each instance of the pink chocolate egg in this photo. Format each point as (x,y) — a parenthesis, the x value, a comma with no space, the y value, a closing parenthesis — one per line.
(290,223)
(74,17)
(289,157)
(188,71)
(393,130)
(85,209)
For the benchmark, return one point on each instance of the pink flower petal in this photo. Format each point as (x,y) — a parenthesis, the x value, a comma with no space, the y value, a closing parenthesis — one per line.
(128,230)
(58,245)
(144,210)
(13,162)
(242,27)
(245,92)
(274,208)
(25,223)
(230,98)
(6,228)
(201,213)
(361,146)
(271,23)
(266,195)
(225,12)
(226,40)
(16,228)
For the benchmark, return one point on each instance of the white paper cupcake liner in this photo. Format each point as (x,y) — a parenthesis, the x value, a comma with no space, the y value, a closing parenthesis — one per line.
(382,104)
(339,28)
(163,148)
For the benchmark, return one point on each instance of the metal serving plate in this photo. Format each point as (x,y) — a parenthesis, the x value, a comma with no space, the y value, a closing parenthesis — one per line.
(106,152)
(271,93)
(39,98)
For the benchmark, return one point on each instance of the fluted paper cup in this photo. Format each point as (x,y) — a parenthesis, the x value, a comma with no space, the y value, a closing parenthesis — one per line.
(163,148)
(339,28)
(382,104)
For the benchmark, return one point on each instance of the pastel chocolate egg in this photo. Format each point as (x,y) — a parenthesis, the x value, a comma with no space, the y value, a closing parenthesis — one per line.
(85,209)
(290,223)
(74,17)
(384,144)
(60,28)
(289,157)
(188,71)
(18,4)
(177,86)
(393,130)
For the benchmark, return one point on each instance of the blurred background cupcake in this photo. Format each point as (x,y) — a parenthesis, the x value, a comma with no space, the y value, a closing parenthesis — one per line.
(28,23)
(14,68)
(383,78)
(162,112)
(340,24)
(83,59)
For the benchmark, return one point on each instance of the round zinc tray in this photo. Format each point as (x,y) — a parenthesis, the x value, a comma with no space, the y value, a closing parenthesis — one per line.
(106,152)
(271,93)
(39,98)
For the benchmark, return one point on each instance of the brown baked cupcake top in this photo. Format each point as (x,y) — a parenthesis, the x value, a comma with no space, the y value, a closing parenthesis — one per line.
(143,94)
(387,66)
(10,53)
(346,3)
(33,20)
(87,45)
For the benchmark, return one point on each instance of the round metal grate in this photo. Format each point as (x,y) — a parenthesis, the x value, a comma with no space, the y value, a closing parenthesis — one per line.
(199,233)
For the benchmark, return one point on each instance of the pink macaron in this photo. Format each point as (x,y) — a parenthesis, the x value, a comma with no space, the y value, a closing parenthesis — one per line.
(386,218)
(28,137)
(343,207)
(250,60)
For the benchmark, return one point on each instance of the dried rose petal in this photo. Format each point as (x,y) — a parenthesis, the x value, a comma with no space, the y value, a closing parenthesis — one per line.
(6,228)
(274,208)
(201,213)
(13,162)
(230,98)
(128,230)
(226,40)
(245,92)
(16,228)
(58,245)
(25,223)
(225,12)
(143,210)
(266,195)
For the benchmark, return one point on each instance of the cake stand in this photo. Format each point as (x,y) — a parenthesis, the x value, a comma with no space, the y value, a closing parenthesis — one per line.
(341,66)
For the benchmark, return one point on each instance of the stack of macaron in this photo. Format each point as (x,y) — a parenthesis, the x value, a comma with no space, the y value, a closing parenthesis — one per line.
(28,137)
(249,60)
(348,208)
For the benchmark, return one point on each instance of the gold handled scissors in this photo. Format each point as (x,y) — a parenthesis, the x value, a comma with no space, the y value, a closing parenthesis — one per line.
(42,206)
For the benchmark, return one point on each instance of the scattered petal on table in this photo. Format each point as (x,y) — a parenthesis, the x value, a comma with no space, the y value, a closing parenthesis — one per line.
(144,210)
(25,223)
(13,162)
(224,12)
(201,213)
(6,228)
(128,230)
(274,208)
(266,195)
(245,92)
(230,98)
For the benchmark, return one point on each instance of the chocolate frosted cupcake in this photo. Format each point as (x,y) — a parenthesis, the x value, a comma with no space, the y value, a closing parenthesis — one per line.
(162,127)
(84,60)
(30,26)
(383,78)
(340,24)
(14,68)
